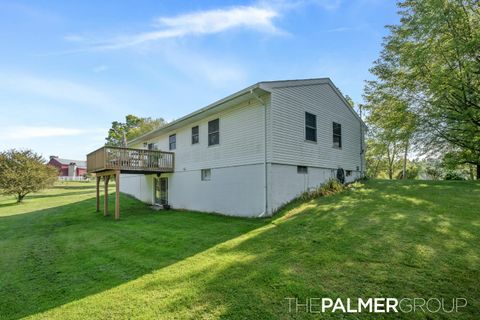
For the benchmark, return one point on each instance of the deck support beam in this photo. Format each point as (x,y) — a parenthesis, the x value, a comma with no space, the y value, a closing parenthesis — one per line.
(117,194)
(98,193)
(105,197)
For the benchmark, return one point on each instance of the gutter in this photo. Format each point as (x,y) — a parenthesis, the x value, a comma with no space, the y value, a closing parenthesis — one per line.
(265,176)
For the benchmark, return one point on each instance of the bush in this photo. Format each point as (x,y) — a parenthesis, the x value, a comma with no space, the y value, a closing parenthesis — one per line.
(331,187)
(412,174)
(452,175)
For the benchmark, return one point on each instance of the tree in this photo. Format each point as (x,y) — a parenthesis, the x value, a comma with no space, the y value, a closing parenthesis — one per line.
(392,125)
(23,172)
(132,127)
(432,59)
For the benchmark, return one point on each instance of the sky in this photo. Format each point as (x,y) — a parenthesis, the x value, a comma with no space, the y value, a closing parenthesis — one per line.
(70,68)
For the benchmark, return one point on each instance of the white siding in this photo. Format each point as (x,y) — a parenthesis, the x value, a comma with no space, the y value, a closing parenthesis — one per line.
(241,140)
(289,146)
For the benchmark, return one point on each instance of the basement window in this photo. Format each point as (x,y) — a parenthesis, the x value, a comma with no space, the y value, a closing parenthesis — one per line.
(213,132)
(337,135)
(172,142)
(195,135)
(206,174)
(302,169)
(310,127)
(348,173)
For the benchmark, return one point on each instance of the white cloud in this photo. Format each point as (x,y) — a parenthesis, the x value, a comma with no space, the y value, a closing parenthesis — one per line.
(197,23)
(32,132)
(56,90)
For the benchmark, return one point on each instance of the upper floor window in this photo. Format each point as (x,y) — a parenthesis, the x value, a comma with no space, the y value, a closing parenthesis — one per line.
(337,135)
(213,132)
(195,135)
(172,142)
(310,127)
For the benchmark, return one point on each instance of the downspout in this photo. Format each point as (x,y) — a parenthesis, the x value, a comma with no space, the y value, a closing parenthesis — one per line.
(265,182)
(362,150)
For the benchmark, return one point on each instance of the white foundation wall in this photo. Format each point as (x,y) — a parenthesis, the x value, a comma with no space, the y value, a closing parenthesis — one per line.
(137,185)
(286,184)
(236,190)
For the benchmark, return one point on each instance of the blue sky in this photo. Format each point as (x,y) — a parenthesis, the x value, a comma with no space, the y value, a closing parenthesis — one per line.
(68,69)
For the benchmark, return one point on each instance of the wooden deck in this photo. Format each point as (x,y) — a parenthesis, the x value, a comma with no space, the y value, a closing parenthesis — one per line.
(108,162)
(129,160)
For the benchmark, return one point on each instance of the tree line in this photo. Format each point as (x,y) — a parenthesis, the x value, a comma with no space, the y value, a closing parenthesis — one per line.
(425,99)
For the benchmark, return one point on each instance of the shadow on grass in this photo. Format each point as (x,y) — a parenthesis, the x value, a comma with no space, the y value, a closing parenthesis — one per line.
(65,194)
(10,204)
(54,256)
(402,240)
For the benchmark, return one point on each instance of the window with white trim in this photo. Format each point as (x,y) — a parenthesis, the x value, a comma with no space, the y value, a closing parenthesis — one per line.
(213,132)
(337,135)
(310,127)
(172,142)
(195,135)
(206,174)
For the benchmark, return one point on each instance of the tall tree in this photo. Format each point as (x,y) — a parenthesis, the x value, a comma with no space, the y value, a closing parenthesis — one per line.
(24,172)
(132,127)
(392,125)
(432,58)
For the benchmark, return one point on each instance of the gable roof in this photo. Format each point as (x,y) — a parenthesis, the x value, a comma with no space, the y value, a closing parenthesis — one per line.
(235,98)
(79,163)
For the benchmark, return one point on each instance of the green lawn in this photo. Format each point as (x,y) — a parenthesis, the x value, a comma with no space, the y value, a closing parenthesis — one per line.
(62,260)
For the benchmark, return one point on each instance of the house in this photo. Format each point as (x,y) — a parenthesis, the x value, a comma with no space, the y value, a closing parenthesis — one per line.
(68,168)
(246,154)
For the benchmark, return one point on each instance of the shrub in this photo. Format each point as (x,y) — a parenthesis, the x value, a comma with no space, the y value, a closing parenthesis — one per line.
(452,175)
(23,172)
(332,186)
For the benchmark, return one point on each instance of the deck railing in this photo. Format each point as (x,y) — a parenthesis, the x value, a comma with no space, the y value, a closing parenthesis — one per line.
(128,159)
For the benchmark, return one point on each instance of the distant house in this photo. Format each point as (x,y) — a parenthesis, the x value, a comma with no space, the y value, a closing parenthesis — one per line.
(68,168)
(244,155)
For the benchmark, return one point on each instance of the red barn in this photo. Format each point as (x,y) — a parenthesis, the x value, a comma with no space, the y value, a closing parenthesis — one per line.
(68,168)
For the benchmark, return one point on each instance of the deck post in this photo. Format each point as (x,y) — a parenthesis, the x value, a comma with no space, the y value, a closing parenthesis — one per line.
(117,194)
(105,197)
(97,178)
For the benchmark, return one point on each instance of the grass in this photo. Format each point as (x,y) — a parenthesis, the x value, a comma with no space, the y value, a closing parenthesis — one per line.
(62,260)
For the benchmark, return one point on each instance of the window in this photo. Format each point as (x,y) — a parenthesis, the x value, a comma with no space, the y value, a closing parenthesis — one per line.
(172,142)
(302,169)
(195,136)
(348,173)
(213,132)
(151,146)
(310,127)
(206,174)
(337,135)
